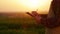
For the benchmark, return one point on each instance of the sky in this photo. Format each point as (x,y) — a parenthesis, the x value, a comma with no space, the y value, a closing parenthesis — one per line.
(24,5)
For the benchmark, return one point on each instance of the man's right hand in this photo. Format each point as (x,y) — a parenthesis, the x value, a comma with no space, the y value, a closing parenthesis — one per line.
(36,16)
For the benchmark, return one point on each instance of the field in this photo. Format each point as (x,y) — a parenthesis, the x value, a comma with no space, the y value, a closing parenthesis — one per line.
(22,24)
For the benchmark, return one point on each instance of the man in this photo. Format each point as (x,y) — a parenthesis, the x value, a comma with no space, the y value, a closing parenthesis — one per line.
(52,22)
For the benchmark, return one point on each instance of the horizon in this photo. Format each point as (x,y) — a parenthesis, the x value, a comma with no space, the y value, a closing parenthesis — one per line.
(40,12)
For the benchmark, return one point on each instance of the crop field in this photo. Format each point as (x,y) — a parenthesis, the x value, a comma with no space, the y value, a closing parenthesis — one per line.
(17,25)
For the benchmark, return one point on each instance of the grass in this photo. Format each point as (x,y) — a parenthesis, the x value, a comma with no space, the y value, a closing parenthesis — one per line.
(19,26)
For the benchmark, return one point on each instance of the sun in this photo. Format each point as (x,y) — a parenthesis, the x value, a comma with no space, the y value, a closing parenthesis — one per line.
(29,3)
(33,4)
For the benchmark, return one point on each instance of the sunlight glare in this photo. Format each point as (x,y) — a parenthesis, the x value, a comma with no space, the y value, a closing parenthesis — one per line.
(34,4)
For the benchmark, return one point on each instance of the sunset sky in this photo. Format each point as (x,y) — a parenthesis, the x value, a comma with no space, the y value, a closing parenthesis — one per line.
(24,5)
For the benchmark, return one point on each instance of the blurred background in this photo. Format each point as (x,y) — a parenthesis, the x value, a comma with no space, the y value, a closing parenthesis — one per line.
(14,20)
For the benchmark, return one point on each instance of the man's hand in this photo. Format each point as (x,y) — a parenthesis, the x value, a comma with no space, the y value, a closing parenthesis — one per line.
(36,16)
